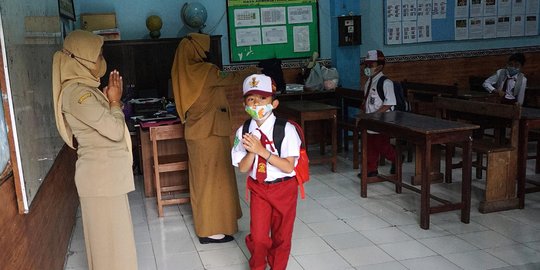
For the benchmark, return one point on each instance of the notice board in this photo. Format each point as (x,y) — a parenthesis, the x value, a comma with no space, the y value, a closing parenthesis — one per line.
(415,21)
(265,29)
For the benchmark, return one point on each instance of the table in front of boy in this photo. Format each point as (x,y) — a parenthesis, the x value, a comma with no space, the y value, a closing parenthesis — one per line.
(530,119)
(303,111)
(424,131)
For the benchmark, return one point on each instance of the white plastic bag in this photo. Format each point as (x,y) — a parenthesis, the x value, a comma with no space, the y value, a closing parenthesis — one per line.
(330,78)
(314,81)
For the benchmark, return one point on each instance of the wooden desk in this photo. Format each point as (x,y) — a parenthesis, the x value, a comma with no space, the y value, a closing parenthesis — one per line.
(166,147)
(304,111)
(530,118)
(425,132)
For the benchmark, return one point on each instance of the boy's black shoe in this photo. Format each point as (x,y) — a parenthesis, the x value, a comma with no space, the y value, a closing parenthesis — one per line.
(370,174)
(208,240)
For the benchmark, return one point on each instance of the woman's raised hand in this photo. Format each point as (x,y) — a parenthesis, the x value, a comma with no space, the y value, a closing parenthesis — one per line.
(113,91)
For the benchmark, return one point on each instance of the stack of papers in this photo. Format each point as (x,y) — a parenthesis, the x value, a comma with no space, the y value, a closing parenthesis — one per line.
(293,87)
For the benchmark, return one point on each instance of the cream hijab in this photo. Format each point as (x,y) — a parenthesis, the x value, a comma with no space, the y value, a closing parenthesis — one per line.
(71,65)
(189,71)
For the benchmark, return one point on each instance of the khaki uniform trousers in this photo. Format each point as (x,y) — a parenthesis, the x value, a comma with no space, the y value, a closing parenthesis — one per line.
(108,233)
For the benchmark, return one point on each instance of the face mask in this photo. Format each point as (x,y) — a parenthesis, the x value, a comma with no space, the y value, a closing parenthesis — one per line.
(512,71)
(100,72)
(369,71)
(259,112)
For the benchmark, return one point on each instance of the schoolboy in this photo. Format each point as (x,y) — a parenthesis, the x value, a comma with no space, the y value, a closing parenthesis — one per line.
(271,181)
(379,144)
(509,82)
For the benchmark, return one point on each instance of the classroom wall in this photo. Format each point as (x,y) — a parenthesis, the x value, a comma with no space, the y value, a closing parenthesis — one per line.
(131,19)
(131,16)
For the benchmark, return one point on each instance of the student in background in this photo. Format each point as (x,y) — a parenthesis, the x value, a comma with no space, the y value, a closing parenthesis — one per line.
(509,82)
(103,175)
(378,144)
(271,182)
(201,102)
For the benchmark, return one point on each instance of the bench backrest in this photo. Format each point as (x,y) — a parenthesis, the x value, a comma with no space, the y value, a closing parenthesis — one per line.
(485,114)
(420,95)
(348,98)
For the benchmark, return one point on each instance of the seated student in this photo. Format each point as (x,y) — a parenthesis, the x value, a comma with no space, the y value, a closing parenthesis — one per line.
(271,182)
(379,144)
(509,82)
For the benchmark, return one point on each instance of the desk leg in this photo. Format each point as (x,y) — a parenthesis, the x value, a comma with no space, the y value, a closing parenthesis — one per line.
(323,136)
(363,171)
(466,171)
(426,181)
(334,143)
(522,162)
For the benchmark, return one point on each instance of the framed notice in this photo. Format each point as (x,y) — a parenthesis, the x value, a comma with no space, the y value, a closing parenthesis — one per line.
(66,9)
(265,29)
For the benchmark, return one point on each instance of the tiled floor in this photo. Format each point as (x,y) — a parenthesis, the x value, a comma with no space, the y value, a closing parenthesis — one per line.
(337,229)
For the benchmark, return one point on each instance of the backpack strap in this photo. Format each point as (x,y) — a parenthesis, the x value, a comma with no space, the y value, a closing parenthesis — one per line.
(380,88)
(245,127)
(279,133)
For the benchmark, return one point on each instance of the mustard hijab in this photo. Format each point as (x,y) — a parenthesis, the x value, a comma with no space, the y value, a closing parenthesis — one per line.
(189,71)
(72,65)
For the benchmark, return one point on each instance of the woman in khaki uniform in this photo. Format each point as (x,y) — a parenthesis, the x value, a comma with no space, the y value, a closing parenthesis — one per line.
(103,174)
(202,105)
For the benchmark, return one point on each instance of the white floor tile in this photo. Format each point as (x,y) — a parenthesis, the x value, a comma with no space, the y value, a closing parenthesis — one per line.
(407,250)
(322,261)
(414,231)
(188,261)
(370,222)
(447,244)
(475,260)
(430,263)
(347,240)
(330,227)
(386,235)
(515,255)
(365,255)
(222,257)
(394,265)
(312,245)
(486,239)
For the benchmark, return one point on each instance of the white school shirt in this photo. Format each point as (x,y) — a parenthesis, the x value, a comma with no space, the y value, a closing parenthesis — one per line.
(290,147)
(512,82)
(373,101)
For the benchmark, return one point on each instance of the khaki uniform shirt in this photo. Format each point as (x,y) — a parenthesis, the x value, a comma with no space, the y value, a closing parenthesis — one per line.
(104,160)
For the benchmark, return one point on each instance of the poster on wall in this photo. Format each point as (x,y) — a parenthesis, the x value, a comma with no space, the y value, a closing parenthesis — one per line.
(443,20)
(263,29)
(531,25)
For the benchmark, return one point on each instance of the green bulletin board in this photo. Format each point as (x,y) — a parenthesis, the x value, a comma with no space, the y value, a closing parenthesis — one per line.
(264,29)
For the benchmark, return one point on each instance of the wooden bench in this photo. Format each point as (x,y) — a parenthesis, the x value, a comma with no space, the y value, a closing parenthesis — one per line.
(348,99)
(420,95)
(501,156)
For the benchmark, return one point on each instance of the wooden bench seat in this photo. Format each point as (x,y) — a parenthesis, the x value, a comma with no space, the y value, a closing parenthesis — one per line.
(501,153)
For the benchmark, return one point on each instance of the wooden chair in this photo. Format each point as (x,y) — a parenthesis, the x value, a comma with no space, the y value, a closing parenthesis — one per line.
(166,163)
(501,156)
(349,99)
